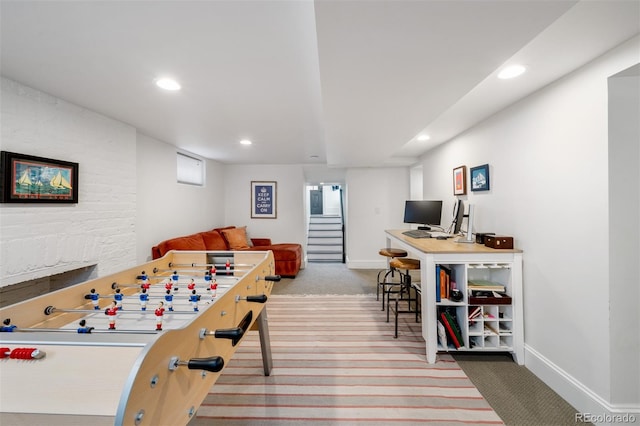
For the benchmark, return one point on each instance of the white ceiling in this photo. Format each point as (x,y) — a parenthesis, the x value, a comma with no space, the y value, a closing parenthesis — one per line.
(336,83)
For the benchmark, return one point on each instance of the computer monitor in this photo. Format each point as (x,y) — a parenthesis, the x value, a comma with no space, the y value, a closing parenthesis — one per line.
(458,217)
(423,212)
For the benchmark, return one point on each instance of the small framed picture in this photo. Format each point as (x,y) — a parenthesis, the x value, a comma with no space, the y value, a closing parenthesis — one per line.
(264,200)
(480,178)
(460,180)
(31,179)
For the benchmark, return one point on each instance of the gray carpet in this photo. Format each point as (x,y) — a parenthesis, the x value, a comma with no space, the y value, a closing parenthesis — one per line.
(516,394)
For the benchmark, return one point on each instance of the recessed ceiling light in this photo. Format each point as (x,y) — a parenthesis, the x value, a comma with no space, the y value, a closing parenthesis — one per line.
(423,137)
(511,71)
(245,142)
(168,84)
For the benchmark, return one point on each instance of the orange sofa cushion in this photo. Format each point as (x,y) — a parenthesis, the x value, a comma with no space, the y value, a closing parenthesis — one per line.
(237,238)
(189,242)
(214,241)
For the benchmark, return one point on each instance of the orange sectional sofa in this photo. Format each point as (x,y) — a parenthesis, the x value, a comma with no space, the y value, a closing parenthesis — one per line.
(288,256)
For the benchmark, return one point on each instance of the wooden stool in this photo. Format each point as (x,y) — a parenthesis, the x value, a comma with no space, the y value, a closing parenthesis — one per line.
(405,286)
(392,253)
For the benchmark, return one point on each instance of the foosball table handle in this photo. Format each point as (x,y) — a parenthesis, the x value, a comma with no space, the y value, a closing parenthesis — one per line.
(234,334)
(213,364)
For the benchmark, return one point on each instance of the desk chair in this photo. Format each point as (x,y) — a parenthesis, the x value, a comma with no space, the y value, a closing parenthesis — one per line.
(391,253)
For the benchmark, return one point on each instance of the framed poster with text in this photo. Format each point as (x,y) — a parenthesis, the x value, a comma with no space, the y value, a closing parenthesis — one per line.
(263,200)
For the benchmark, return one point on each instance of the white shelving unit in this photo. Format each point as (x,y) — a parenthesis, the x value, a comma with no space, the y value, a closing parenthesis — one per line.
(493,328)
(499,328)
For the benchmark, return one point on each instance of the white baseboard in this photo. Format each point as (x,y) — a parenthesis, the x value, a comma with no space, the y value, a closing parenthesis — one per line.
(366,264)
(590,405)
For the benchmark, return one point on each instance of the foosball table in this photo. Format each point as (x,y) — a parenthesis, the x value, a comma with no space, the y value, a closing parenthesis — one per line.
(143,346)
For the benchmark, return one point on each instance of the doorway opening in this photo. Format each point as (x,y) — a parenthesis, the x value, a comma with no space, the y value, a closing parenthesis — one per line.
(325,224)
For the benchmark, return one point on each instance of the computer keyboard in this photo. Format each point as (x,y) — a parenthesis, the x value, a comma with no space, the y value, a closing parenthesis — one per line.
(419,233)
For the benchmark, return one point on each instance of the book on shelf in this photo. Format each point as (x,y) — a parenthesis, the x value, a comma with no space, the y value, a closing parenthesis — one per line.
(451,323)
(442,336)
(476,312)
(443,282)
(438,297)
(444,291)
(450,331)
(485,285)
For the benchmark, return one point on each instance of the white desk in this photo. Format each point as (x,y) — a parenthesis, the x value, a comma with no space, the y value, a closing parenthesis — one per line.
(465,257)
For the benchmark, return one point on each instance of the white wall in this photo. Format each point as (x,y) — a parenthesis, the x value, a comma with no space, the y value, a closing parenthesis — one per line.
(290,224)
(40,240)
(375,202)
(624,234)
(168,209)
(549,189)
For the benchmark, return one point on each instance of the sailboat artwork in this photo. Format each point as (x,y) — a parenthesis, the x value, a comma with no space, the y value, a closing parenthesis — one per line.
(480,178)
(39,179)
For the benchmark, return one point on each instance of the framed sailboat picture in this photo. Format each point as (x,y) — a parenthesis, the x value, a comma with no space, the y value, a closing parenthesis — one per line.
(31,179)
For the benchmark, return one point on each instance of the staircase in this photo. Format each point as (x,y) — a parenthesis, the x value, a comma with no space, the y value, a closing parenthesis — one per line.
(324,243)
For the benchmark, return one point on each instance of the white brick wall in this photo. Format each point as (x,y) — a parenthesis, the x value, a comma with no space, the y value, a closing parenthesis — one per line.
(38,240)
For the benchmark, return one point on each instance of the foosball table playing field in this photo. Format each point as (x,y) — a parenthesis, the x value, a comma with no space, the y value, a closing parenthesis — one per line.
(143,346)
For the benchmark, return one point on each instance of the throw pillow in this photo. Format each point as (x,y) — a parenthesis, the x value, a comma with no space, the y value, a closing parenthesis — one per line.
(237,238)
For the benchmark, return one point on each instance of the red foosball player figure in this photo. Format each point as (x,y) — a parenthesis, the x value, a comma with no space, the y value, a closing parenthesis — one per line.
(213,288)
(144,278)
(191,285)
(159,314)
(213,271)
(194,298)
(227,266)
(168,285)
(111,311)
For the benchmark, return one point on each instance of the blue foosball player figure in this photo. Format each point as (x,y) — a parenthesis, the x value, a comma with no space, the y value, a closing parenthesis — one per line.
(144,298)
(168,298)
(84,329)
(194,298)
(7,327)
(118,298)
(95,298)
(175,278)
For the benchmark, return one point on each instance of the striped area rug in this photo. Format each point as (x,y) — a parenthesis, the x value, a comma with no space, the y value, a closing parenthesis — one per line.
(336,363)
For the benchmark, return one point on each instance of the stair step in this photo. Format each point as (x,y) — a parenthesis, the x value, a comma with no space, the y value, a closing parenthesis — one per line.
(324,249)
(324,257)
(320,226)
(324,234)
